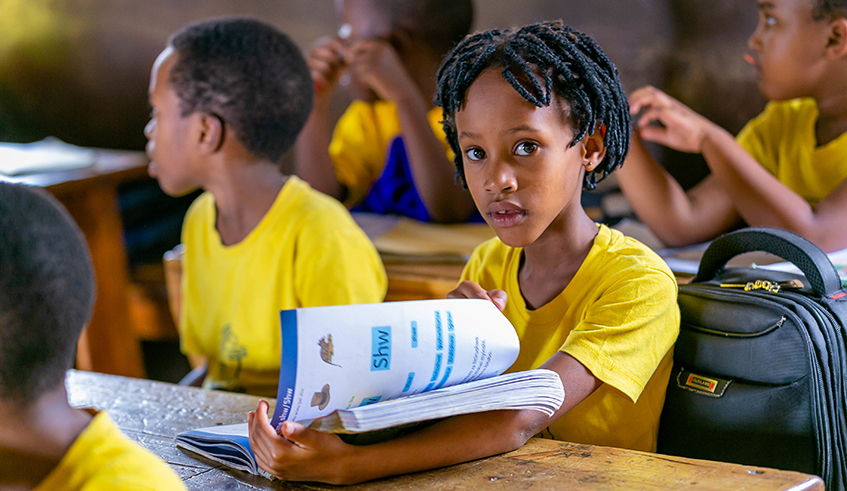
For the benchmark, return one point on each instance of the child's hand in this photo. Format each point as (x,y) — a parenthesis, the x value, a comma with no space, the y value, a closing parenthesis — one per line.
(679,127)
(297,453)
(469,289)
(326,62)
(376,64)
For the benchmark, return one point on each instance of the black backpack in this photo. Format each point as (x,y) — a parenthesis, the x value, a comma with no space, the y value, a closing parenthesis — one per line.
(760,375)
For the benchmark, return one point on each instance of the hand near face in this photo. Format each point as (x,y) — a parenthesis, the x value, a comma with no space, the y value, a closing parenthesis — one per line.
(298,453)
(375,63)
(326,62)
(667,121)
(469,289)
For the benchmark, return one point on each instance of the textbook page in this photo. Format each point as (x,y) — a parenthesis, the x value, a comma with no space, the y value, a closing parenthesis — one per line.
(347,356)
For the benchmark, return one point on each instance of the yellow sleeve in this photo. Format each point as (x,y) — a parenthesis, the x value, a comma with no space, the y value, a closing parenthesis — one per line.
(628,330)
(760,137)
(357,150)
(338,265)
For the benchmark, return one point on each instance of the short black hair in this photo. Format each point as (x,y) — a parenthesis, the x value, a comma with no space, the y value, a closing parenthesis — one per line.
(441,24)
(541,60)
(822,9)
(250,75)
(46,292)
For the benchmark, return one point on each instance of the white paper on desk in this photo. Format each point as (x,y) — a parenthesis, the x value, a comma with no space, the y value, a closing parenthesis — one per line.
(685,260)
(50,154)
(347,356)
(838,259)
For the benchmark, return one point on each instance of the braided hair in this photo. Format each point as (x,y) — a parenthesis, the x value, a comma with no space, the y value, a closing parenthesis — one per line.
(541,60)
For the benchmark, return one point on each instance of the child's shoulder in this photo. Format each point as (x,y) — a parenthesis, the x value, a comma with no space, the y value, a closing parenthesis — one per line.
(786,112)
(616,254)
(106,459)
(202,209)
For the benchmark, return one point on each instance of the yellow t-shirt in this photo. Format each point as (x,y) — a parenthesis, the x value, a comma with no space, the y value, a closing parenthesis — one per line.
(783,140)
(360,142)
(618,316)
(305,252)
(102,458)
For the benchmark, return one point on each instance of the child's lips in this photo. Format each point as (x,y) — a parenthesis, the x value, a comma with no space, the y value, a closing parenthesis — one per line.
(505,214)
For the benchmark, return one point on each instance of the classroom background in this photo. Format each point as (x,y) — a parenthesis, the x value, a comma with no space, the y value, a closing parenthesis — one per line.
(78,70)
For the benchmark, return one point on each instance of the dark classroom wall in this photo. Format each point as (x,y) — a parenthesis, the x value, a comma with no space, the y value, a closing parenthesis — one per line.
(78,69)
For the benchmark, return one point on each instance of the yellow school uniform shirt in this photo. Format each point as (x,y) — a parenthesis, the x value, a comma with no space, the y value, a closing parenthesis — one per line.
(783,140)
(103,459)
(361,139)
(618,316)
(305,252)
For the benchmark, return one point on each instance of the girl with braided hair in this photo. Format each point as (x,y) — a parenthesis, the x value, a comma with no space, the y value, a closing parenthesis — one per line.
(534,115)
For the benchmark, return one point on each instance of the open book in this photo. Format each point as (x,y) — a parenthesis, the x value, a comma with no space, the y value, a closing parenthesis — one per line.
(360,368)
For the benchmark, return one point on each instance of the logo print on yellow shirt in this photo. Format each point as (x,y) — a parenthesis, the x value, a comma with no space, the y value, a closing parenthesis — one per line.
(231,351)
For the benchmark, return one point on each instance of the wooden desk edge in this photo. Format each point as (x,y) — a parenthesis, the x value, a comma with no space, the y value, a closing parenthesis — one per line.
(538,463)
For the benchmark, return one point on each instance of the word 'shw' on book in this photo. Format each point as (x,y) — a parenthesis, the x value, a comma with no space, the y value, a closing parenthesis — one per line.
(362,368)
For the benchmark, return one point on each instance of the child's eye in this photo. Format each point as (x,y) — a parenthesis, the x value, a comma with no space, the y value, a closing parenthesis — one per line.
(769,20)
(475,154)
(526,148)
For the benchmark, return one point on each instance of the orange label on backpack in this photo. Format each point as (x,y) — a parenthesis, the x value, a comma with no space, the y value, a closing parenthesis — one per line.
(701,383)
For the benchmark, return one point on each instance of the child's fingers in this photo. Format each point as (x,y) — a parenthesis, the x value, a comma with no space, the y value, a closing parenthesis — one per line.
(654,134)
(499,297)
(296,434)
(265,443)
(468,289)
(651,116)
(640,97)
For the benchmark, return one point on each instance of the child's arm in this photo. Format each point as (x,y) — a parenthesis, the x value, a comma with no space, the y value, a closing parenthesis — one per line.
(676,217)
(311,160)
(301,454)
(756,195)
(378,65)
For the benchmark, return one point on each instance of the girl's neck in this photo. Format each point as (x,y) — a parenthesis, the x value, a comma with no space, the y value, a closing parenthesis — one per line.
(550,263)
(33,439)
(244,194)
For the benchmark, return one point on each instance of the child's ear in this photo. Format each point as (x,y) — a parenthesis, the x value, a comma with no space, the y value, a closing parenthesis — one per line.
(212,128)
(837,43)
(594,149)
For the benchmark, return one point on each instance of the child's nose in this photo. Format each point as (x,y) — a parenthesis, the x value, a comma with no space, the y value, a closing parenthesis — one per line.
(501,177)
(755,41)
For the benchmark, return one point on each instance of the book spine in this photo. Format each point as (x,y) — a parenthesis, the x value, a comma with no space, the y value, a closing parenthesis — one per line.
(287,369)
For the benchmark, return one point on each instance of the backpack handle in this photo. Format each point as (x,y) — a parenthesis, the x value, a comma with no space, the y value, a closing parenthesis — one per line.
(812,261)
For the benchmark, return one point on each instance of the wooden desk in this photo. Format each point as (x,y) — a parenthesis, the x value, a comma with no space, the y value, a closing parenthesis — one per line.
(422,260)
(90,195)
(152,413)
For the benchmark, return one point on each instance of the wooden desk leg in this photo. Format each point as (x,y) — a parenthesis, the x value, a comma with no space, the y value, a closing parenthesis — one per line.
(110,339)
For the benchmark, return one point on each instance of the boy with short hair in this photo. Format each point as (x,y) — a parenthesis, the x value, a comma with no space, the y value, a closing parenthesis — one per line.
(788,166)
(229,97)
(388,152)
(46,298)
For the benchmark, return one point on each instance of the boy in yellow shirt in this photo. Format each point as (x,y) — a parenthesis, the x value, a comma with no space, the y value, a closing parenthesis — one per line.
(788,166)
(46,298)
(534,115)
(387,152)
(229,97)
